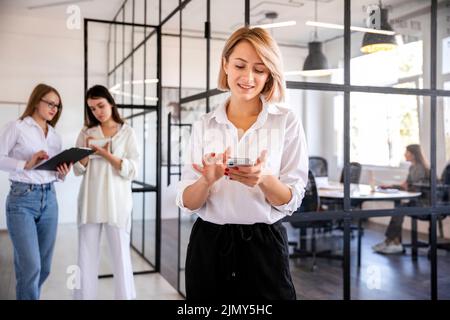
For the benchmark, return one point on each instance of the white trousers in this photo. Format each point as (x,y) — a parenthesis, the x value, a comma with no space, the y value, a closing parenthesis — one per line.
(89,236)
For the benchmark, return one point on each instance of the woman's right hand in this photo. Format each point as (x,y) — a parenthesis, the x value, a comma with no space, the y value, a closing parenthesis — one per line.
(214,166)
(86,142)
(85,160)
(35,159)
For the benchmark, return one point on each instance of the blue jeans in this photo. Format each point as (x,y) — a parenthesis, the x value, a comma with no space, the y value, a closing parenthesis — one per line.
(32,218)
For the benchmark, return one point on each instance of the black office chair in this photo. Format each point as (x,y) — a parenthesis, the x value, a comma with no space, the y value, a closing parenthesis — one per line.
(318,166)
(355,173)
(442,195)
(310,203)
(355,177)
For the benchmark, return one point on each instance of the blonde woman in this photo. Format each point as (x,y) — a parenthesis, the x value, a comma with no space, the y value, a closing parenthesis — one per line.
(238,246)
(31,205)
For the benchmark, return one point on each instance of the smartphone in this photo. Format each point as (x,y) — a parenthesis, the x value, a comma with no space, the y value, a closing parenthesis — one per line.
(239,162)
(99,143)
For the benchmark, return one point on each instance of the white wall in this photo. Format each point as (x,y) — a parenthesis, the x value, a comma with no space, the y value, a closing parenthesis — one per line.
(8,112)
(43,50)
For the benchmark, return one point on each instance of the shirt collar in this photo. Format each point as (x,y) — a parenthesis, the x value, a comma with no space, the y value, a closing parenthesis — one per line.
(122,128)
(220,113)
(30,121)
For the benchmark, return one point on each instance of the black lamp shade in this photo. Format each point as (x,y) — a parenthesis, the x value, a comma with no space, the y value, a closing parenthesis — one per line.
(373,42)
(315,60)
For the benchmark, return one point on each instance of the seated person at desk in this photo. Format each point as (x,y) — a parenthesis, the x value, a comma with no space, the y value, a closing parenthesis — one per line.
(418,172)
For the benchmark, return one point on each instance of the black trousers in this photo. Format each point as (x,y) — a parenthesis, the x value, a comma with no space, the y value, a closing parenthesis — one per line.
(236,262)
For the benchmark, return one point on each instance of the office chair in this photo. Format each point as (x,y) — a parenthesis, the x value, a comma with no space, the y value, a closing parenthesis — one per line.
(442,195)
(355,177)
(318,166)
(355,173)
(310,203)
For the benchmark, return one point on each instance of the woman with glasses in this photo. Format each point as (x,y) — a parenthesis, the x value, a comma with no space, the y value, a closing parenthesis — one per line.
(31,205)
(238,245)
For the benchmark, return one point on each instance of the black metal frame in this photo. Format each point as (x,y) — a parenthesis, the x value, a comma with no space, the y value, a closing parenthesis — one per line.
(348,213)
(145,188)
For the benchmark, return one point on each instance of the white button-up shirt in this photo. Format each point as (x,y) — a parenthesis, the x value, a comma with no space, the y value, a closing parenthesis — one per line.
(276,130)
(19,141)
(105,192)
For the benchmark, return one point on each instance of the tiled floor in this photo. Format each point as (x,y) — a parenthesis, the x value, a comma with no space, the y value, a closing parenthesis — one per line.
(148,286)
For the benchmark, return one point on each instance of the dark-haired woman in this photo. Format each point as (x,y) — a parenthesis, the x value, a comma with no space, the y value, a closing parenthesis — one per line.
(31,205)
(105,199)
(419,172)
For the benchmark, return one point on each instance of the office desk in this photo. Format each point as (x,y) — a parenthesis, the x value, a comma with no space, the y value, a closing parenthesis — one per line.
(362,192)
(333,193)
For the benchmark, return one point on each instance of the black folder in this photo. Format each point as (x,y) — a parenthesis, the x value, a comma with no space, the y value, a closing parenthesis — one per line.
(71,155)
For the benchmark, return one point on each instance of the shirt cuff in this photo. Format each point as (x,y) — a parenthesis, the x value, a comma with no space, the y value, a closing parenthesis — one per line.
(20,167)
(182,185)
(78,168)
(294,203)
(59,179)
(125,168)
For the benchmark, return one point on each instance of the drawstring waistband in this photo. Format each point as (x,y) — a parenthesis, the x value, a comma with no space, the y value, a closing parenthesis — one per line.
(229,232)
(229,236)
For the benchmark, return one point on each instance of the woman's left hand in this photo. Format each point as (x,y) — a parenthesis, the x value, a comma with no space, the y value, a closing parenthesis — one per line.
(101,151)
(249,175)
(63,170)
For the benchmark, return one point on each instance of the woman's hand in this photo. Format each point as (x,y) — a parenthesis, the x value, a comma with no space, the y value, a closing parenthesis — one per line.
(108,156)
(195,195)
(102,151)
(35,159)
(250,176)
(63,170)
(85,160)
(87,140)
(214,166)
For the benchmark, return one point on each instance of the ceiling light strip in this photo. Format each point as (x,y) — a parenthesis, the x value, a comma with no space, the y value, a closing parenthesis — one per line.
(341,27)
(276,25)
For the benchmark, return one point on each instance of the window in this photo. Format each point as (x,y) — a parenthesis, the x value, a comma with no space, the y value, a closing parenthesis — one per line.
(447,122)
(382,125)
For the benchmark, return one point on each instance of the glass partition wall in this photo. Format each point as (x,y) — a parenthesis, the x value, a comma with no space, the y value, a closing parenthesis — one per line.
(367,78)
(124,55)
(365,83)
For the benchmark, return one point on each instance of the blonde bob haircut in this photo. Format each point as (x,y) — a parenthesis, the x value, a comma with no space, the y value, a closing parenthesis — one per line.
(268,51)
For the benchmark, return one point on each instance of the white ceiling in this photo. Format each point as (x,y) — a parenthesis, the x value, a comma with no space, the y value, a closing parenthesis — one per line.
(56,9)
(226,15)
(331,11)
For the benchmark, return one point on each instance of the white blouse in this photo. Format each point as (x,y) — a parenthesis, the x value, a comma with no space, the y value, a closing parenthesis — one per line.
(105,193)
(19,141)
(276,130)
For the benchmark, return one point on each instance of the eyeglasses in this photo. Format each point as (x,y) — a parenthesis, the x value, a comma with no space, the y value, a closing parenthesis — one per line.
(51,105)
